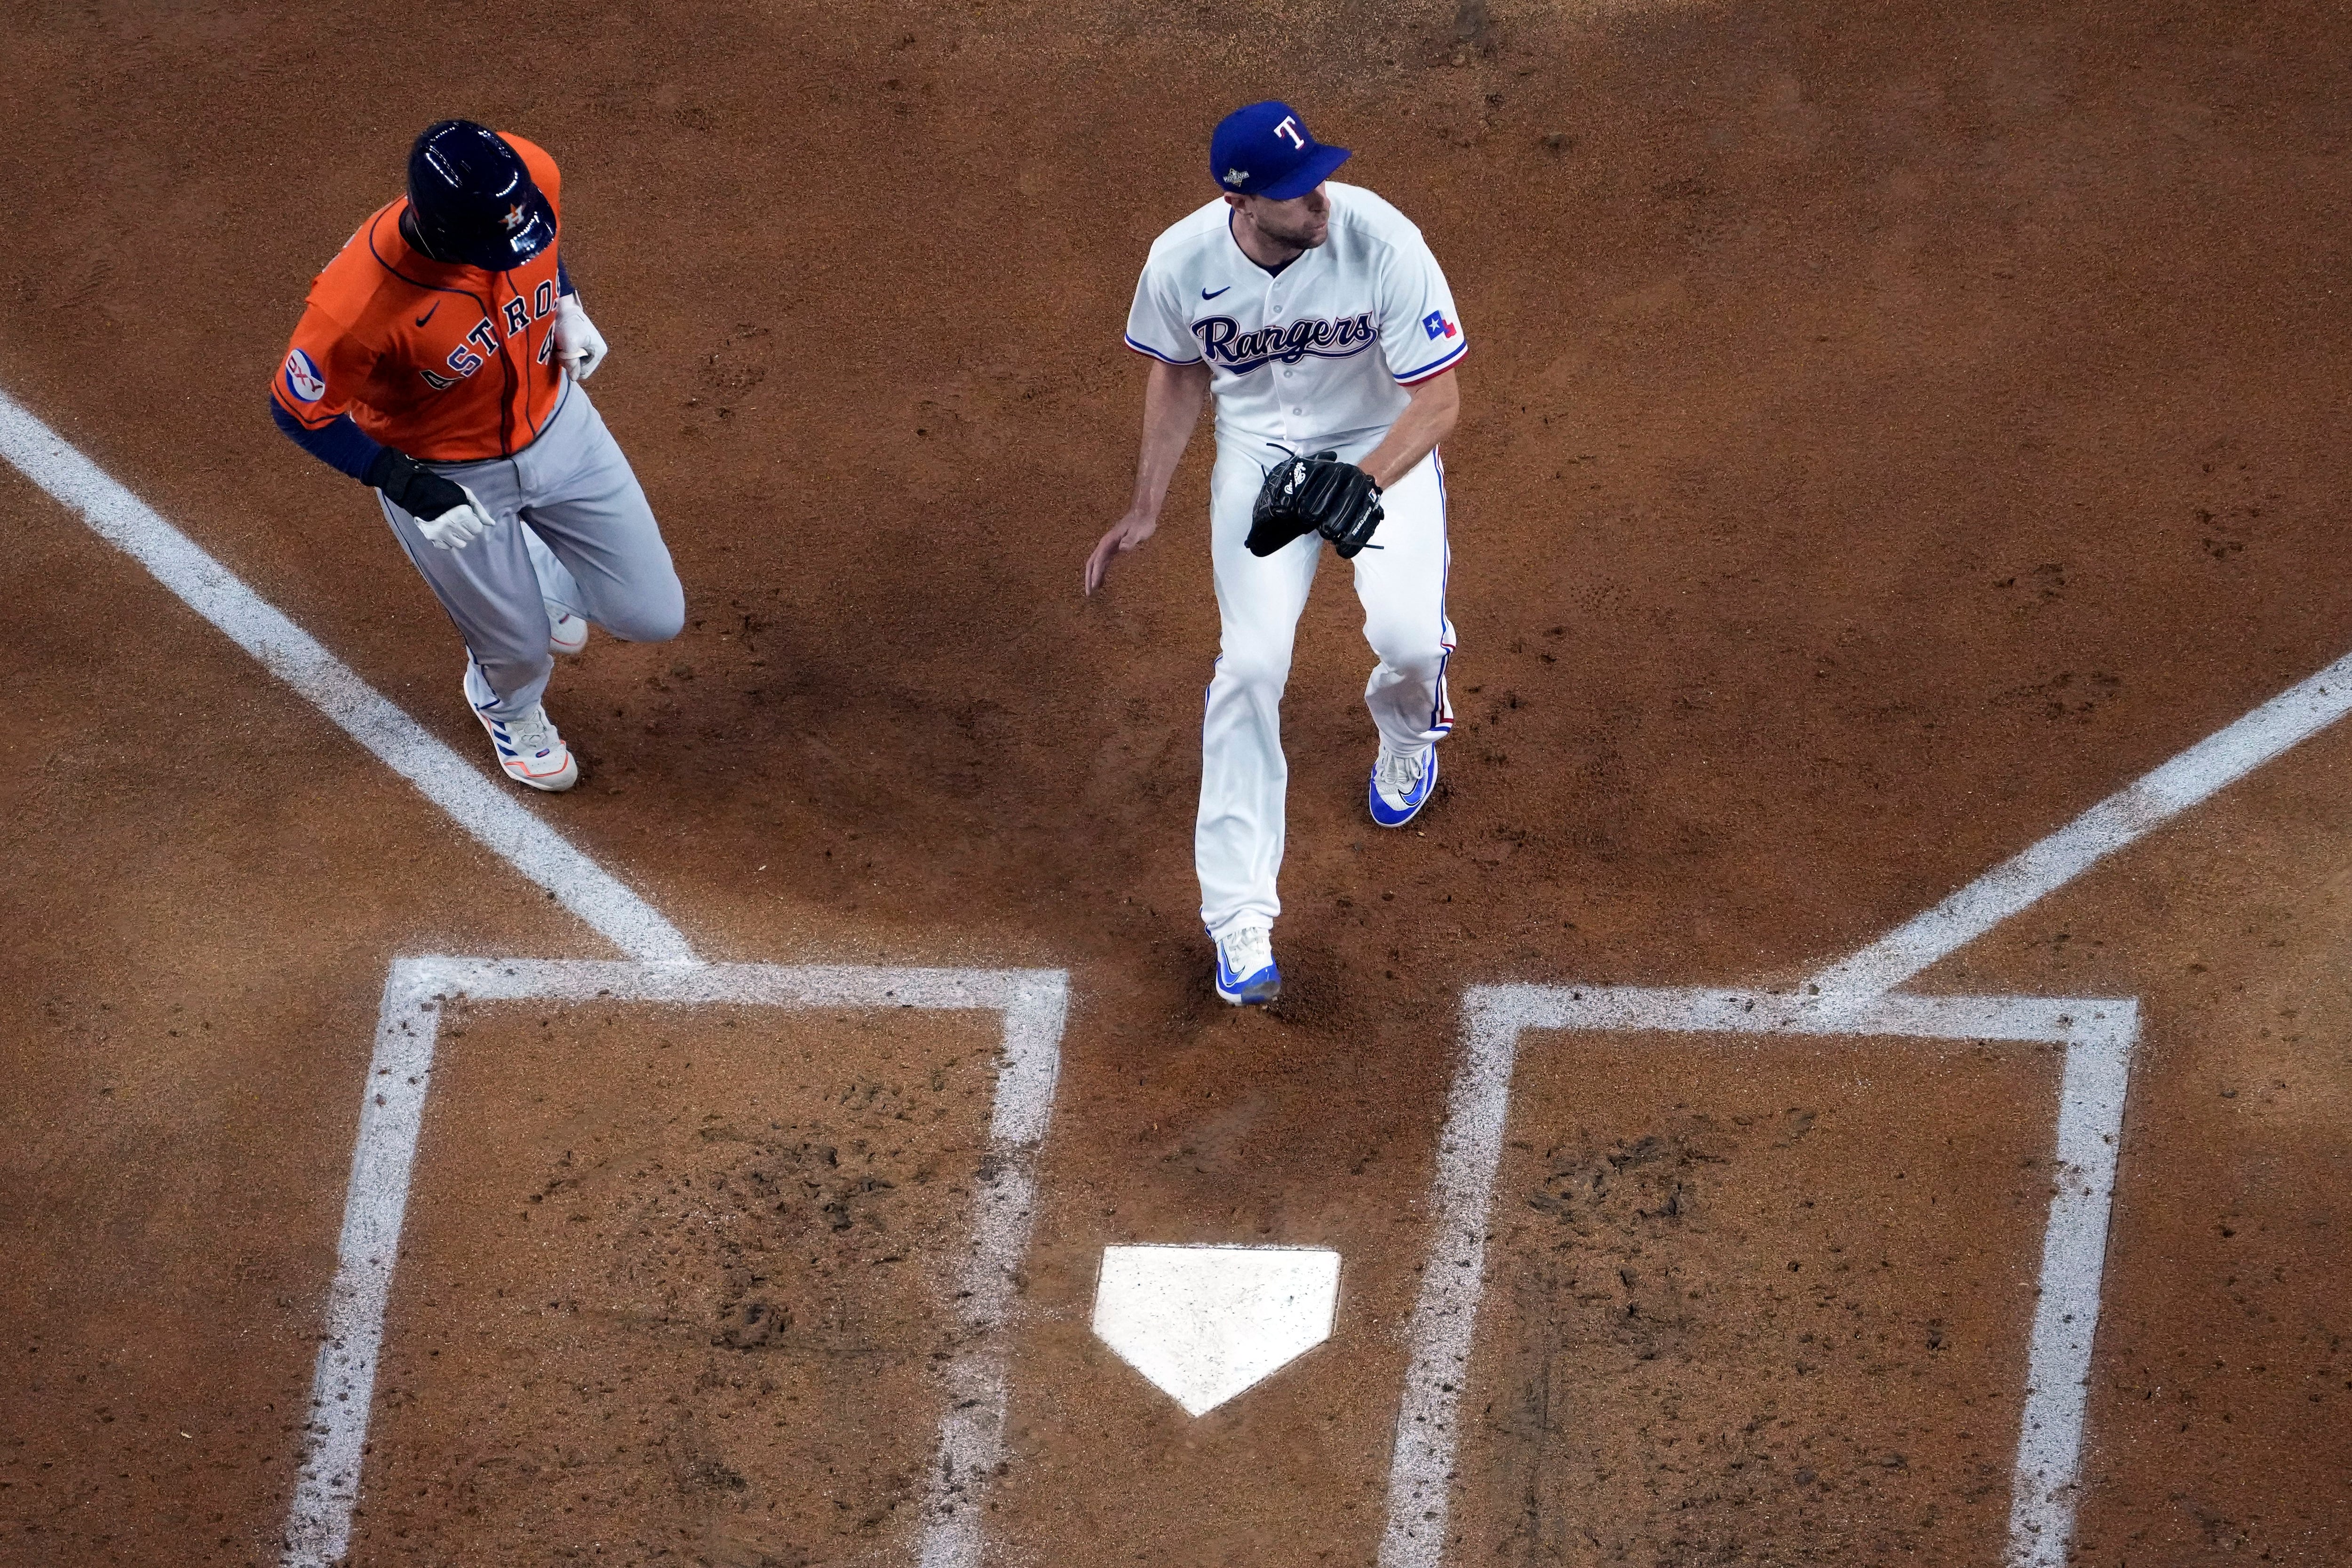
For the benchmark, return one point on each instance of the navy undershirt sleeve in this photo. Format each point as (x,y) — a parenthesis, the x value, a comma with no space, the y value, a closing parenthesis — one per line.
(563,278)
(340,445)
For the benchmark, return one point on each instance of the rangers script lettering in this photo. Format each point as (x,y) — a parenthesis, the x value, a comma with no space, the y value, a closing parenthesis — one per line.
(1229,348)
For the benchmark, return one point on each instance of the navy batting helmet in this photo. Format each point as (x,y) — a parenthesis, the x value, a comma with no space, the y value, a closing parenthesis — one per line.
(474,201)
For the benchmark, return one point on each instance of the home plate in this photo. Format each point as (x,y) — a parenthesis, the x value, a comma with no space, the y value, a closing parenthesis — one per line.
(1204,1323)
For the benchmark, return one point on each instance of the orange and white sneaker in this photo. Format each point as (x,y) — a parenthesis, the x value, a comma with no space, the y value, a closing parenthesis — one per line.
(528,749)
(566,632)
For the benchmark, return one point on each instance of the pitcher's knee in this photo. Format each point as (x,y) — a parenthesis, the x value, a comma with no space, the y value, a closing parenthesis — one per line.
(654,614)
(1415,654)
(1255,669)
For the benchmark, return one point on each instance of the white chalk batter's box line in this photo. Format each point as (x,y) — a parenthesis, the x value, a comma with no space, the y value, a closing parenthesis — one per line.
(1034,1004)
(2097,1037)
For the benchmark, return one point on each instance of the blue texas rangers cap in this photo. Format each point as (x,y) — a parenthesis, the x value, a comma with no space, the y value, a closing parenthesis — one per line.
(1265,150)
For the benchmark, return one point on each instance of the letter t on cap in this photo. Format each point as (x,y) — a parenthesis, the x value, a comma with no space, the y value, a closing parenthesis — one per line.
(1265,150)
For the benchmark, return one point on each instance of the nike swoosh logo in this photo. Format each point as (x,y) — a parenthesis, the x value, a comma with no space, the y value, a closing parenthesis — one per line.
(428,315)
(1205,294)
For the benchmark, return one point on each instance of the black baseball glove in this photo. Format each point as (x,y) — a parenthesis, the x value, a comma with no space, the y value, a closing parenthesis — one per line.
(1314,494)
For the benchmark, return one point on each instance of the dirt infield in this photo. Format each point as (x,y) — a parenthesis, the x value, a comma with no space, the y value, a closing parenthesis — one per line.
(687,1305)
(1787,1326)
(1887,431)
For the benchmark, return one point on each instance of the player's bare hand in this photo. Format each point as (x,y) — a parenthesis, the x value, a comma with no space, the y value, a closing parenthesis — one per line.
(577,344)
(1125,534)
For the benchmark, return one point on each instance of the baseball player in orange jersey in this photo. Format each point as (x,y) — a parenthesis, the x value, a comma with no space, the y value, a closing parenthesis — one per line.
(440,360)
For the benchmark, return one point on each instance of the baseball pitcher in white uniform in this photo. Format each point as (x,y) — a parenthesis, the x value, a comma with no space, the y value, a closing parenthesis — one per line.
(1316,315)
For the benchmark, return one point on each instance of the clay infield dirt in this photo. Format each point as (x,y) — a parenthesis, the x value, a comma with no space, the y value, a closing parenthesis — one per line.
(1887,430)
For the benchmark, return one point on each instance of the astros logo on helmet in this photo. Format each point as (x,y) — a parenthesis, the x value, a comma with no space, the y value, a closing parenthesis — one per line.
(473,201)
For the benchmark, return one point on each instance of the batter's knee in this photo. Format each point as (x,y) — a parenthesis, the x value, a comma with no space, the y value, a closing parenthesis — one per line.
(654,613)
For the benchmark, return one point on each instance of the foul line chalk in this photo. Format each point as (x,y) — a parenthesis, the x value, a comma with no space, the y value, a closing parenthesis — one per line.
(2097,1036)
(970,1440)
(2212,764)
(487,809)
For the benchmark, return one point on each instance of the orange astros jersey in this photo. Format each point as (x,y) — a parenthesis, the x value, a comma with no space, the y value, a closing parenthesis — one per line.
(443,361)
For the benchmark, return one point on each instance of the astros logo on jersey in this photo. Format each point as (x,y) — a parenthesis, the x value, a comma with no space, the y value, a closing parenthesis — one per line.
(480,344)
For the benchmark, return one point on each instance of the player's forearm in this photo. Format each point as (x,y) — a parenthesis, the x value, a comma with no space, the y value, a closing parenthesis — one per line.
(1172,397)
(1427,419)
(338,444)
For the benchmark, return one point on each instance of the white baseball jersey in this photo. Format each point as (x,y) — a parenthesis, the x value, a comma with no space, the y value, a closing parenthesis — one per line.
(1314,354)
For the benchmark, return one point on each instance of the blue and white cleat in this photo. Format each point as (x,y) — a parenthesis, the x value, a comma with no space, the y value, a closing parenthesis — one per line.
(1401,782)
(528,748)
(1245,971)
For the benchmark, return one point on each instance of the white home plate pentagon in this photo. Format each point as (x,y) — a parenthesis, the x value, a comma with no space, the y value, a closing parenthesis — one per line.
(1204,1323)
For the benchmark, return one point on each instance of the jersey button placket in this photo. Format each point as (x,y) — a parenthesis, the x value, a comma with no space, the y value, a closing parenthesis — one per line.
(1273,313)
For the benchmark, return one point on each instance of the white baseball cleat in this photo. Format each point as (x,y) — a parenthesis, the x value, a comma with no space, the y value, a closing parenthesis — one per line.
(1245,971)
(528,749)
(566,632)
(1401,782)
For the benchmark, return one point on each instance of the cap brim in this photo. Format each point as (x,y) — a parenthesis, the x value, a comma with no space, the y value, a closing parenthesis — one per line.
(1318,168)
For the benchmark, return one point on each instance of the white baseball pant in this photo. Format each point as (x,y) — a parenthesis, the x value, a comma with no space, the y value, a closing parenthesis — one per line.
(1401,580)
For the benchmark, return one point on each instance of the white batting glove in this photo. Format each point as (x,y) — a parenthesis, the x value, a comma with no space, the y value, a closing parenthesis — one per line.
(577,342)
(459,525)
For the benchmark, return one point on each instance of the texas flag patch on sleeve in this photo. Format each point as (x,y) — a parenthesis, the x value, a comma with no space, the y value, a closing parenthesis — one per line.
(1437,326)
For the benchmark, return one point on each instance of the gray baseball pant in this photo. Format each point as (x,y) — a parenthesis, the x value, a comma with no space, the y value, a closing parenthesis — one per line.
(600,553)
